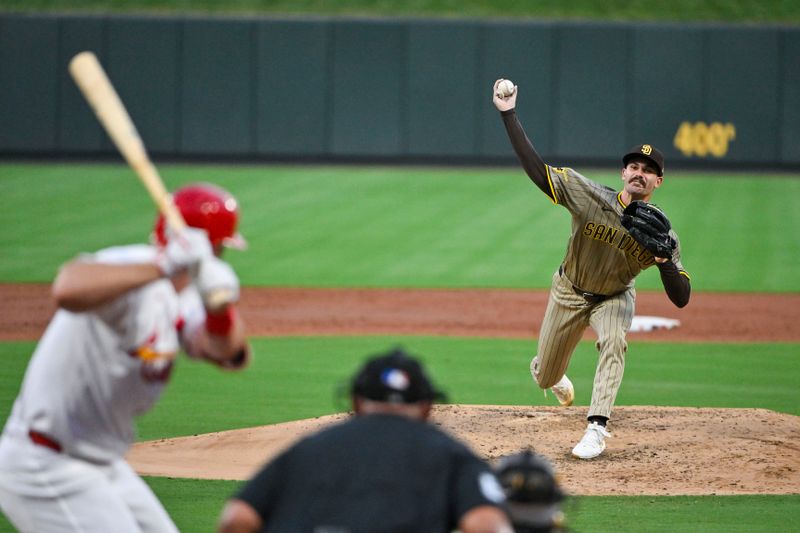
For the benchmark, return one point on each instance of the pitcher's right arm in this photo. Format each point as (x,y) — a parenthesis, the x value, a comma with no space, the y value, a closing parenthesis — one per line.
(531,161)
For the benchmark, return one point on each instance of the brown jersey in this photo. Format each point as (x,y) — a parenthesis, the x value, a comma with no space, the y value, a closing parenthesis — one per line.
(601,257)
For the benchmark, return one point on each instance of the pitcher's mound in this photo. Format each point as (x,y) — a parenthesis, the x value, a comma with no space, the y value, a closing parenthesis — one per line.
(653,450)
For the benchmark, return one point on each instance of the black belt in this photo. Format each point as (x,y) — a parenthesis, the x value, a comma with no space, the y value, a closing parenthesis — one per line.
(590,297)
(43,440)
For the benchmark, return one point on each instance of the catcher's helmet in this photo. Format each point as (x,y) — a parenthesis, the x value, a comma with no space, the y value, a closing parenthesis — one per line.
(532,491)
(210,208)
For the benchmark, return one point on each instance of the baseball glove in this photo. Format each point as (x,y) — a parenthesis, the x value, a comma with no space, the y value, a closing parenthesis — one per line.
(650,227)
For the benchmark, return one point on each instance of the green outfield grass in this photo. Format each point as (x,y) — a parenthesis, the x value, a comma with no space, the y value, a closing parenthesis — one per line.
(783,11)
(684,514)
(298,377)
(400,227)
(196,506)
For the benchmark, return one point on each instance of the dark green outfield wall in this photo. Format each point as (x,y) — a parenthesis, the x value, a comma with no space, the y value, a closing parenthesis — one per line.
(405,89)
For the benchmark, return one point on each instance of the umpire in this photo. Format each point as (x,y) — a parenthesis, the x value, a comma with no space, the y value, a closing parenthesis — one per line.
(385,469)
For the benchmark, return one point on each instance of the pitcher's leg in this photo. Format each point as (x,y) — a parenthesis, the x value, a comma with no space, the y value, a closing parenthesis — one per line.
(611,320)
(564,322)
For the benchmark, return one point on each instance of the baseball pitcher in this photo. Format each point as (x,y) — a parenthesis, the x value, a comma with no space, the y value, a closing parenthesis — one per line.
(124,313)
(615,235)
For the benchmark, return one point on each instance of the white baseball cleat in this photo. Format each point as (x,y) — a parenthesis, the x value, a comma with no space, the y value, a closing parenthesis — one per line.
(593,442)
(564,391)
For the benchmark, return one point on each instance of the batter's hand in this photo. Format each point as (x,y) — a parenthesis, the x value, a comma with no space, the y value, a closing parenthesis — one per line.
(184,250)
(504,103)
(217,283)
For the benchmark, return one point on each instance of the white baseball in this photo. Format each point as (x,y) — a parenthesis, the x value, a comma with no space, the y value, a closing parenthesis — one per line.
(505,88)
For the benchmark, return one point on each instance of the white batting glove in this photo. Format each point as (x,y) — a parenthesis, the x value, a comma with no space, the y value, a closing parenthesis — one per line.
(217,283)
(185,249)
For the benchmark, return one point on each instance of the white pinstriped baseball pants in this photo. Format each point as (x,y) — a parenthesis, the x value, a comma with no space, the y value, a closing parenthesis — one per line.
(565,320)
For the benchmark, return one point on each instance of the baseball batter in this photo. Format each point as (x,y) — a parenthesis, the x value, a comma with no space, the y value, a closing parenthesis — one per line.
(124,313)
(594,285)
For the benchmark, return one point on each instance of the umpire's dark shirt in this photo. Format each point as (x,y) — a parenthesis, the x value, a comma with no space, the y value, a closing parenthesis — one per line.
(374,473)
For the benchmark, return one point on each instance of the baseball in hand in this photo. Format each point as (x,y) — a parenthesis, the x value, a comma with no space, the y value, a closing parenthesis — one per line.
(505,88)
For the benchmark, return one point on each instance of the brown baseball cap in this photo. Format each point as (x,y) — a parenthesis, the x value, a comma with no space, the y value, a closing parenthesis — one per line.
(647,151)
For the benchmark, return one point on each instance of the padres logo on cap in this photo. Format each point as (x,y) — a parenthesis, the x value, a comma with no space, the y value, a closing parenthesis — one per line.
(647,149)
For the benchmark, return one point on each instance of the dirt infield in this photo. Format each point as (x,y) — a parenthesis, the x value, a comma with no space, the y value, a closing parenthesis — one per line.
(654,450)
(502,313)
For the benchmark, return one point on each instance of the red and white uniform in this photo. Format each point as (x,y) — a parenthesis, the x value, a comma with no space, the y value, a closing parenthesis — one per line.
(62,449)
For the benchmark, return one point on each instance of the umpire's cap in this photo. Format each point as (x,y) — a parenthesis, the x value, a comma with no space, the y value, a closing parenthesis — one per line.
(647,151)
(394,377)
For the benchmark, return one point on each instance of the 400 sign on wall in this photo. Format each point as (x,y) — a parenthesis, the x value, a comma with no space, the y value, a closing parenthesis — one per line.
(701,139)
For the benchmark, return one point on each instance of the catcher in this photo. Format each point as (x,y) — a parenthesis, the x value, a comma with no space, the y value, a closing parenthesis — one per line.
(534,495)
(615,235)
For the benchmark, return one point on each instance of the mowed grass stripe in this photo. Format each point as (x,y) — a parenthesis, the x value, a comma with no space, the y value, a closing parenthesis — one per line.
(400,227)
(730,229)
(195,506)
(779,11)
(300,377)
(294,378)
(683,514)
(382,228)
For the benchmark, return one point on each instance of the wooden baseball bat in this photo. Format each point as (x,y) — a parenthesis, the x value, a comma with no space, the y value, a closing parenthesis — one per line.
(98,91)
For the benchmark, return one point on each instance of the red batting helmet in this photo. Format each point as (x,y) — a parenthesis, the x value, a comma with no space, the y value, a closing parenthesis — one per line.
(210,208)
